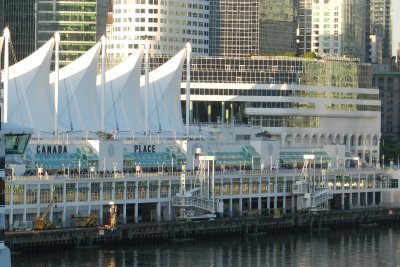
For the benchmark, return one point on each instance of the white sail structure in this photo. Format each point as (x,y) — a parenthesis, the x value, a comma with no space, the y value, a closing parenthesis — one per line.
(78,105)
(164,96)
(122,95)
(1,45)
(29,99)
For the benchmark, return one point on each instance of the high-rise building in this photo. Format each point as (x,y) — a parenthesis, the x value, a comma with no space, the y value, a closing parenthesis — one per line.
(234,27)
(167,25)
(334,28)
(381,24)
(19,16)
(32,22)
(278,25)
(389,92)
(80,23)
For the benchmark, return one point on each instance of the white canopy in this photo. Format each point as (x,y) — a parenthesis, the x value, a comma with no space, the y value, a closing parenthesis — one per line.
(1,44)
(78,105)
(29,100)
(122,95)
(164,103)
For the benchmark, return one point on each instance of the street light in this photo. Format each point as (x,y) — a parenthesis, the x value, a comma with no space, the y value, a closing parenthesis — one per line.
(115,169)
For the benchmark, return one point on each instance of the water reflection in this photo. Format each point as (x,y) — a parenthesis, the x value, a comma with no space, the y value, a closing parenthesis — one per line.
(355,247)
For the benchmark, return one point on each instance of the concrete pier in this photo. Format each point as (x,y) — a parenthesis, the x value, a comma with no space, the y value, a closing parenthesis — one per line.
(131,233)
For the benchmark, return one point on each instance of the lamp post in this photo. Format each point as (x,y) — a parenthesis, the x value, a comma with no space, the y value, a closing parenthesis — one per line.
(115,169)
(162,169)
(172,165)
(79,167)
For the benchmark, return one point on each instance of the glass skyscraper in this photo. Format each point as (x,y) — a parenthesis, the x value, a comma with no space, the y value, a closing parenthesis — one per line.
(19,16)
(381,24)
(81,23)
(234,27)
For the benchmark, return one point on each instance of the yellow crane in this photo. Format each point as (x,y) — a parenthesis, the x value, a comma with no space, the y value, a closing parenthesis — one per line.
(41,223)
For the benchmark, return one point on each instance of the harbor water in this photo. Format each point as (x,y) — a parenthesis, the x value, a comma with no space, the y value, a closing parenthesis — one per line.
(368,245)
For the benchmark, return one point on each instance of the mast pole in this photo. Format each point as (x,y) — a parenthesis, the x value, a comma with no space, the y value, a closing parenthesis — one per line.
(103,77)
(146,93)
(188,55)
(56,79)
(6,34)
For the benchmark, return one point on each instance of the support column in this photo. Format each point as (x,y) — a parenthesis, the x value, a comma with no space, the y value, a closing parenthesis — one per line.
(191,111)
(364,140)
(222,112)
(357,136)
(293,204)
(136,212)
(124,213)
(283,138)
(230,207)
(284,204)
(209,112)
(158,219)
(124,206)
(342,204)
(240,206)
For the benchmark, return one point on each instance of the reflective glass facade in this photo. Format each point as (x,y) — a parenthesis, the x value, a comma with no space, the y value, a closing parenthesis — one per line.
(234,28)
(381,24)
(19,16)
(251,89)
(334,28)
(80,23)
(278,25)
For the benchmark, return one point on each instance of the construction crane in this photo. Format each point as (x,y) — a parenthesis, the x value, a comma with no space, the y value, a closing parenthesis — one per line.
(85,221)
(41,223)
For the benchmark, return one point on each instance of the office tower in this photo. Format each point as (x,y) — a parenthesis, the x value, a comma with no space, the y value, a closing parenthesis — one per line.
(234,27)
(381,24)
(334,28)
(278,25)
(389,84)
(80,23)
(19,16)
(167,25)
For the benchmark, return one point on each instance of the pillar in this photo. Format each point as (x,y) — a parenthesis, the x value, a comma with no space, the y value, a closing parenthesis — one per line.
(136,212)
(230,207)
(158,219)
(191,111)
(342,204)
(124,213)
(222,111)
(209,112)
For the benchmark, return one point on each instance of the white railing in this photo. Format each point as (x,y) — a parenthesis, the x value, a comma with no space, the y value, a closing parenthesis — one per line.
(193,202)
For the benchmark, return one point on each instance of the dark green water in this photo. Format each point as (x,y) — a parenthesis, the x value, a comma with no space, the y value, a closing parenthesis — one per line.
(371,246)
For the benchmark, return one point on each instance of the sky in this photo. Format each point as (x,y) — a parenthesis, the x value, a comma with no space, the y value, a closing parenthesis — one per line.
(396,25)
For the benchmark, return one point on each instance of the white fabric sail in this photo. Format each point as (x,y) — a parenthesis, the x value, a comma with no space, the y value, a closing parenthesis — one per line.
(122,95)
(77,102)
(1,44)
(164,96)
(29,100)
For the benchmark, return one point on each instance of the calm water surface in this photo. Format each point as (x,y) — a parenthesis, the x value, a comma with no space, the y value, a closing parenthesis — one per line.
(373,246)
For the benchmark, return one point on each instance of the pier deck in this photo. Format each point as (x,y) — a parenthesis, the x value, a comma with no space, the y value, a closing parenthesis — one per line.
(130,233)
